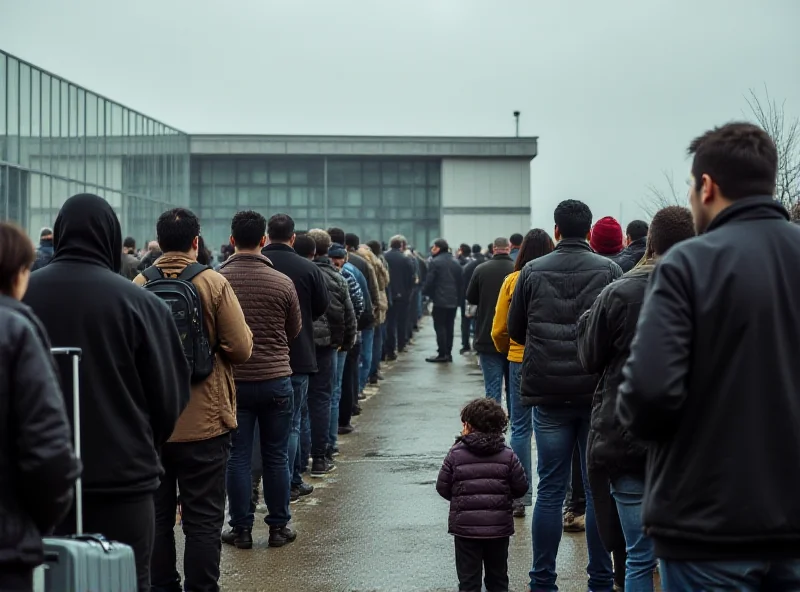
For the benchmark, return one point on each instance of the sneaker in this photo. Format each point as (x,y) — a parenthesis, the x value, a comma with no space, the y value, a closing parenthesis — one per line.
(303,489)
(465,350)
(294,496)
(356,410)
(239,537)
(574,522)
(321,467)
(373,379)
(281,535)
(449,359)
(436,359)
(335,451)
(362,396)
(518,509)
(344,430)
(379,376)
(391,357)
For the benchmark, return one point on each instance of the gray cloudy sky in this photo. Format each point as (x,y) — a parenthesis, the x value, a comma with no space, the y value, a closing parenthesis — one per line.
(615,89)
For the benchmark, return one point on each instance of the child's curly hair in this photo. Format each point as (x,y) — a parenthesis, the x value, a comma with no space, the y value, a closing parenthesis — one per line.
(485,415)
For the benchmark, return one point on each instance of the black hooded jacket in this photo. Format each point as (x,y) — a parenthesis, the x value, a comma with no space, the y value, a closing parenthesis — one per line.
(631,255)
(134,376)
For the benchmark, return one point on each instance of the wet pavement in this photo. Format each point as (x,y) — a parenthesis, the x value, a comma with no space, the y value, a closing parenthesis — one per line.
(377,523)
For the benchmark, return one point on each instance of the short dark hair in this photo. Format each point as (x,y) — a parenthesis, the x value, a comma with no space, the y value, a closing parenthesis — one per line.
(463,247)
(337,235)
(129,242)
(516,239)
(485,415)
(670,226)
(16,254)
(352,240)
(305,246)
(375,247)
(637,229)
(573,218)
(442,244)
(322,240)
(248,228)
(741,159)
(177,229)
(476,249)
(280,228)
(535,244)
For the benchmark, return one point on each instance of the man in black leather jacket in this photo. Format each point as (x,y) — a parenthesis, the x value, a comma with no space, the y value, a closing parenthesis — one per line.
(551,294)
(713,380)
(443,287)
(635,243)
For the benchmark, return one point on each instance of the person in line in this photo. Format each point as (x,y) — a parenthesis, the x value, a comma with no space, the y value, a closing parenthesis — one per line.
(714,358)
(130,264)
(481,477)
(345,389)
(195,458)
(44,254)
(422,270)
(464,254)
(314,299)
(516,245)
(467,322)
(153,253)
(551,294)
(384,303)
(606,238)
(263,384)
(401,285)
(411,324)
(477,254)
(39,460)
(443,287)
(535,244)
(483,292)
(335,330)
(635,245)
(615,460)
(134,375)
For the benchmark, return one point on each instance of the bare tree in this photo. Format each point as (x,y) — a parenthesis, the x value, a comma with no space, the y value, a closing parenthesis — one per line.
(659,197)
(785,132)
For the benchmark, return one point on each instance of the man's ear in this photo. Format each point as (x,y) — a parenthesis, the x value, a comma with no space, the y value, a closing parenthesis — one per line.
(556,233)
(263,242)
(232,241)
(195,242)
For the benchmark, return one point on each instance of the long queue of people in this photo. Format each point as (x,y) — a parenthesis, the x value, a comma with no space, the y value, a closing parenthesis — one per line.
(184,406)
(666,367)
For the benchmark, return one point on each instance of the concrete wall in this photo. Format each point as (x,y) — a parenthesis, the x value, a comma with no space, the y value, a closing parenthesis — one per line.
(483,199)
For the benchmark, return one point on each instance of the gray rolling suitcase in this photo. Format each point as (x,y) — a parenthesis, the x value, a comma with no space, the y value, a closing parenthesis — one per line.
(84,562)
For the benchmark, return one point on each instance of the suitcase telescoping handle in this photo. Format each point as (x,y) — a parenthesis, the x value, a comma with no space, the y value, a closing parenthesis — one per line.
(75,353)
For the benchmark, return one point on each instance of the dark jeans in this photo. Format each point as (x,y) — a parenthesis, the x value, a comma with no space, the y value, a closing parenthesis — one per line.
(396,320)
(267,404)
(576,495)
(130,520)
(412,314)
(721,576)
(444,323)
(473,556)
(299,400)
(320,389)
(377,349)
(197,469)
(466,326)
(301,462)
(349,386)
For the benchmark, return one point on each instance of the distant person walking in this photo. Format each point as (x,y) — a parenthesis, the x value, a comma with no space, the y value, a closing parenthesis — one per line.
(44,254)
(443,287)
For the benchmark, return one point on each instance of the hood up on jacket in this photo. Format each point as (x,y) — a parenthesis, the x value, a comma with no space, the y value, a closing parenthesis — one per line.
(483,444)
(87,229)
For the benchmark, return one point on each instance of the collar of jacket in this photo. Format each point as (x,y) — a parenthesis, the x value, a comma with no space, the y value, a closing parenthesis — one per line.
(639,242)
(15,305)
(325,260)
(174,259)
(760,207)
(247,257)
(443,253)
(277,247)
(573,244)
(501,257)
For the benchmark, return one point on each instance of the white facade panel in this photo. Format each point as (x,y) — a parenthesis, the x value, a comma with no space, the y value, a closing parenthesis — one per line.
(475,182)
(482,229)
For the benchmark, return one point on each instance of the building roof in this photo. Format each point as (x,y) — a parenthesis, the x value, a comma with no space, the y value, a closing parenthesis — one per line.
(399,146)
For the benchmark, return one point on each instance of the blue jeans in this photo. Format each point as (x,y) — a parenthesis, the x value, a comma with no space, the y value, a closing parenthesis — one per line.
(301,460)
(627,492)
(268,403)
(495,371)
(300,400)
(320,387)
(365,359)
(557,430)
(521,425)
(742,576)
(339,358)
(377,349)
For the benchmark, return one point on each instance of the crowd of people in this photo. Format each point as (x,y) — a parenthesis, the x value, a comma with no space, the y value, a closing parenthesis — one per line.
(653,368)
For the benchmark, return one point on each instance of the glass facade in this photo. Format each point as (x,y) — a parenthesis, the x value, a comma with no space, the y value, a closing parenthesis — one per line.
(58,139)
(372,197)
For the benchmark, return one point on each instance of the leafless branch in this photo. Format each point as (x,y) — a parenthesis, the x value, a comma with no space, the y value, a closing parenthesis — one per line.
(785,132)
(659,197)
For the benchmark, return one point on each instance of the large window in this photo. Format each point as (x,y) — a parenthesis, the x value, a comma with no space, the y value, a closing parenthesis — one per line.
(374,198)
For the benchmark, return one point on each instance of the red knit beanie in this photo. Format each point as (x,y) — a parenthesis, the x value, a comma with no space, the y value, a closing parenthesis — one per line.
(606,236)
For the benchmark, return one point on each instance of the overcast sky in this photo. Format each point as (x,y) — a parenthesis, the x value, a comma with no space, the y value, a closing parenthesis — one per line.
(615,89)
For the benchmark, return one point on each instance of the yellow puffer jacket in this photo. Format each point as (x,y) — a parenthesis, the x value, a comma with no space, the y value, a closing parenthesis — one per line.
(502,341)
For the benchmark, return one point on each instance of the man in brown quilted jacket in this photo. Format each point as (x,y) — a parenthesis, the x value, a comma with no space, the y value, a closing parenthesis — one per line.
(263,385)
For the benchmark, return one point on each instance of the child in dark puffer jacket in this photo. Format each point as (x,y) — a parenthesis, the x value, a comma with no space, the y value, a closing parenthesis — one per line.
(480,477)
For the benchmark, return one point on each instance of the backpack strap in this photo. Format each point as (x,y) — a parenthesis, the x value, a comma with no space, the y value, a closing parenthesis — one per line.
(191,271)
(152,273)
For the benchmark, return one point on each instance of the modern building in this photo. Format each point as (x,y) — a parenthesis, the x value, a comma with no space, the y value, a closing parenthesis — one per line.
(58,139)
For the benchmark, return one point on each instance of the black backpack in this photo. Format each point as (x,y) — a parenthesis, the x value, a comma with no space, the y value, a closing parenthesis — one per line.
(180,294)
